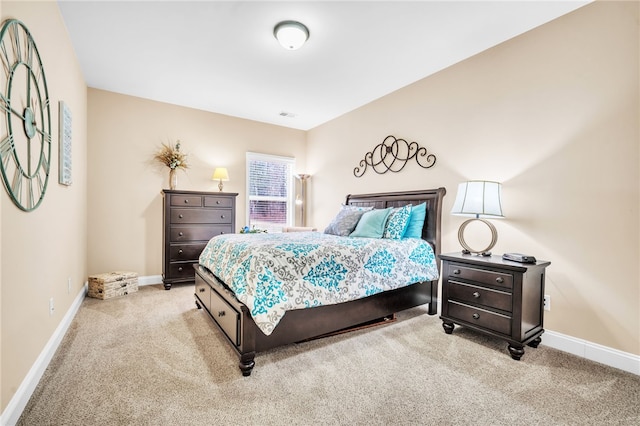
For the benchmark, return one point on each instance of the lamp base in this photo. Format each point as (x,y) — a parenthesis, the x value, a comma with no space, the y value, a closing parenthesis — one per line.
(220,186)
(468,250)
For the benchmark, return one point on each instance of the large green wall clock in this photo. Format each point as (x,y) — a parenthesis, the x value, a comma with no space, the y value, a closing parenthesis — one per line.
(25,117)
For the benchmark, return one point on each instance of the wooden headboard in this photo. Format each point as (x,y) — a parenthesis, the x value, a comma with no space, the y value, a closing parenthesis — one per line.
(432,197)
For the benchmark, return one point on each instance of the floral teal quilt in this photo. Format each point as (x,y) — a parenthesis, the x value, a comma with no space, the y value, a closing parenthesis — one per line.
(274,273)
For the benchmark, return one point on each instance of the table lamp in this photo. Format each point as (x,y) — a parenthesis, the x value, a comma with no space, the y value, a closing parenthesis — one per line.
(479,199)
(220,174)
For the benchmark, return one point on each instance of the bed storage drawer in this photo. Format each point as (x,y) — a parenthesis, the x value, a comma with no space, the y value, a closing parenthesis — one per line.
(203,292)
(227,318)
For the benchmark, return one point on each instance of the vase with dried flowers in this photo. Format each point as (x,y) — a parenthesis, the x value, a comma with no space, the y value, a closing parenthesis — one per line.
(171,156)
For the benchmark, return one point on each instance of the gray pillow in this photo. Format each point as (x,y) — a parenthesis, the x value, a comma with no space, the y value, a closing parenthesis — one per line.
(346,220)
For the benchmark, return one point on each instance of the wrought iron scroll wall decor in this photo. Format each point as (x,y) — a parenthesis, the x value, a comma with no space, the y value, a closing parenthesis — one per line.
(392,155)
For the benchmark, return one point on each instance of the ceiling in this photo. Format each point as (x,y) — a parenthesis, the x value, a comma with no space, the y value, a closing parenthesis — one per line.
(222,57)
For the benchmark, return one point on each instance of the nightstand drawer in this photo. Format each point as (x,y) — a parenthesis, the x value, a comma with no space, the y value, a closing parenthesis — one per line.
(458,271)
(479,295)
(480,317)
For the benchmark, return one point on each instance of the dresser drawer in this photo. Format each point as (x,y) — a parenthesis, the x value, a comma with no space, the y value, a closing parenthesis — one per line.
(498,279)
(186,200)
(480,317)
(479,295)
(203,292)
(182,252)
(218,202)
(227,318)
(200,216)
(182,270)
(197,233)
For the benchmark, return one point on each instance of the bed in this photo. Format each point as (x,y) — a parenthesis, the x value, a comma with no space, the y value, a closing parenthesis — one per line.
(235,319)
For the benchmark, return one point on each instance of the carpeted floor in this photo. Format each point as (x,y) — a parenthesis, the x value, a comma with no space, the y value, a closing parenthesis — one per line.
(152,358)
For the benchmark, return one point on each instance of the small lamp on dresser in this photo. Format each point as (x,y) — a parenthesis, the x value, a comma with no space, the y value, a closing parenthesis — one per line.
(479,199)
(221,175)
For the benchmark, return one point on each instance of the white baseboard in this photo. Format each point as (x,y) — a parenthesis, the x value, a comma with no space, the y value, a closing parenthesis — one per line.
(592,351)
(14,409)
(150,280)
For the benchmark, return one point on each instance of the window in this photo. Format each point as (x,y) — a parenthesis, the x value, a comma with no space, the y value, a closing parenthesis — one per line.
(270,203)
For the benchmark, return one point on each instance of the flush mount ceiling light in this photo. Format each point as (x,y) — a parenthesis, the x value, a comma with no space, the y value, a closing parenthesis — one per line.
(291,34)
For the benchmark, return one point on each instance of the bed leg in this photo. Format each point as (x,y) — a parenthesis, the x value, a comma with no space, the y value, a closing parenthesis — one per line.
(433,308)
(246,363)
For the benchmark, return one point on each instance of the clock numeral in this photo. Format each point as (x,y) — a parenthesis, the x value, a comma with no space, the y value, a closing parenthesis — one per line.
(29,58)
(30,199)
(14,33)
(16,186)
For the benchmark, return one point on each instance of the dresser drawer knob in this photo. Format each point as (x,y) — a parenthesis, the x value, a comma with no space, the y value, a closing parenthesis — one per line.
(180,234)
(476,294)
(180,269)
(476,316)
(500,280)
(221,232)
(217,201)
(180,251)
(186,201)
(456,271)
(221,313)
(221,216)
(180,216)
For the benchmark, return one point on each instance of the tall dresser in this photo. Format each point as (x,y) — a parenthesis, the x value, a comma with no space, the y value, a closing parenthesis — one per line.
(190,220)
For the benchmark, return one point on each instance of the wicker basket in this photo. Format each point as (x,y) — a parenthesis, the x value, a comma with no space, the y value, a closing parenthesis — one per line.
(112,284)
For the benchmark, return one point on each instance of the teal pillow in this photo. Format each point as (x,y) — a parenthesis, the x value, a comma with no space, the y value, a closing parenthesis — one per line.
(397,223)
(416,221)
(371,224)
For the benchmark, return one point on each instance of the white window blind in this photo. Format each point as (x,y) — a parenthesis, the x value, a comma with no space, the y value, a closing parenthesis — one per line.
(270,203)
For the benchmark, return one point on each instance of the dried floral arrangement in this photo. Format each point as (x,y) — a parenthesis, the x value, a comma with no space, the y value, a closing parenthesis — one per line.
(171,156)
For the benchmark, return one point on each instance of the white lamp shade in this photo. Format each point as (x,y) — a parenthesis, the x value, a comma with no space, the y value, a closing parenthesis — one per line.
(220,173)
(479,199)
(291,34)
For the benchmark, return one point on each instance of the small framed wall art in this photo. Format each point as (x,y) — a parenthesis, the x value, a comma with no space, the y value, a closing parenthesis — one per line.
(64,144)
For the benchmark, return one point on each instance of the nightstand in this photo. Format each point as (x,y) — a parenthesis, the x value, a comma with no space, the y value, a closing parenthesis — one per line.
(498,297)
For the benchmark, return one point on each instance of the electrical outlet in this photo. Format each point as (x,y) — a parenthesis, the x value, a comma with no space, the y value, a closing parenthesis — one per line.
(69,286)
(547,302)
(51,309)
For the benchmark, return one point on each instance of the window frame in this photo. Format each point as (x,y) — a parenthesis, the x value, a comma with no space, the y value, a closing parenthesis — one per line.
(290,199)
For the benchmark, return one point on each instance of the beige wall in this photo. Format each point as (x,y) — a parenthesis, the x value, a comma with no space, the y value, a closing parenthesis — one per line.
(554,116)
(42,249)
(125,201)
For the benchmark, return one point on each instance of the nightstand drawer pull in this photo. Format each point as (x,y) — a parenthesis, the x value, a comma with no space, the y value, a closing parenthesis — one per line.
(202,290)
(476,316)
(456,271)
(221,313)
(180,269)
(476,294)
(500,280)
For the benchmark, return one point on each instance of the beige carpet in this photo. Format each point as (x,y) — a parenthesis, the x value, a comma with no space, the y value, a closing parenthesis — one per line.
(152,358)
